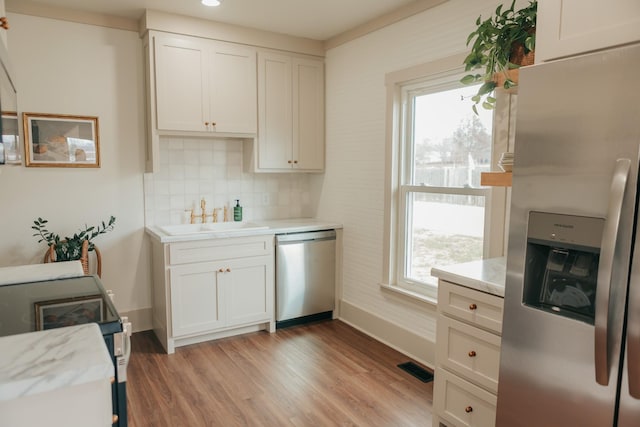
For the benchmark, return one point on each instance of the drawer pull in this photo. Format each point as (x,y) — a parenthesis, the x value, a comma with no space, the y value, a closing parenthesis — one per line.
(114,419)
(472,353)
(468,409)
(473,306)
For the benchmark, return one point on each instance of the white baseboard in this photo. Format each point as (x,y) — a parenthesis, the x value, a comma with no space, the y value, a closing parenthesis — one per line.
(406,342)
(140,319)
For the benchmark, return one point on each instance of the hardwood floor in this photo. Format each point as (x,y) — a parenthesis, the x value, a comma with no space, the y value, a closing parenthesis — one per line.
(321,374)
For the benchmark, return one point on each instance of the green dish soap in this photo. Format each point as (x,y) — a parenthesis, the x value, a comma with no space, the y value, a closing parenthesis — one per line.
(237,211)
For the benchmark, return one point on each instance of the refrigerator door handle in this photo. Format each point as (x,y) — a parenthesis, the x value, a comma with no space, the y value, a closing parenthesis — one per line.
(605,268)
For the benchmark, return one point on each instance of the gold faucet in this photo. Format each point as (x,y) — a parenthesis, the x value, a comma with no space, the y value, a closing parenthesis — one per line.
(203,205)
(203,214)
(215,214)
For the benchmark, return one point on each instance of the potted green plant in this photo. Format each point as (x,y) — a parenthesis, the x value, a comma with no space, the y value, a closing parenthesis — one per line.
(500,43)
(70,248)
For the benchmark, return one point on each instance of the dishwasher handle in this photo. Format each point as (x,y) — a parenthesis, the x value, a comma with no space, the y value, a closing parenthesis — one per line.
(287,239)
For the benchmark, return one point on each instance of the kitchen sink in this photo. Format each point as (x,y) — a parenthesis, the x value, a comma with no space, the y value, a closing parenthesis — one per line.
(212,227)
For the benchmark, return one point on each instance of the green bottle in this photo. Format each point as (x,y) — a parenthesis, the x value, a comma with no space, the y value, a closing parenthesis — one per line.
(237,211)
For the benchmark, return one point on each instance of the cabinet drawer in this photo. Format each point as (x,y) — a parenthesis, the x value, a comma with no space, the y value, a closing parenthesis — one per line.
(462,404)
(219,249)
(469,352)
(471,306)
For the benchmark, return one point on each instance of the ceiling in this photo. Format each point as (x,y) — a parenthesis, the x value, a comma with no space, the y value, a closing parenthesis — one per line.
(314,19)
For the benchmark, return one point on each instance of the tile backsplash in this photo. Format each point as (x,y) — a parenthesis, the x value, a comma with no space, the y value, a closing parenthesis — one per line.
(192,169)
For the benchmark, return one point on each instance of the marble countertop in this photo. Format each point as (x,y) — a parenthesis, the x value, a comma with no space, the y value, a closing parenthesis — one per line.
(487,275)
(42,361)
(280,226)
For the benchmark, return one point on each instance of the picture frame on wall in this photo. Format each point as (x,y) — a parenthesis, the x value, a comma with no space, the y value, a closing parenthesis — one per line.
(68,312)
(57,140)
(10,138)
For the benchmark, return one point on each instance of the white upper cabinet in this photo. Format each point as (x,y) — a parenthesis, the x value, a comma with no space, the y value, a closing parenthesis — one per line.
(232,87)
(308,114)
(275,113)
(204,86)
(290,114)
(571,27)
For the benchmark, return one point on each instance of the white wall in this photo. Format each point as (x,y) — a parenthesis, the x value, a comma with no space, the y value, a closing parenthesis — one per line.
(352,190)
(70,68)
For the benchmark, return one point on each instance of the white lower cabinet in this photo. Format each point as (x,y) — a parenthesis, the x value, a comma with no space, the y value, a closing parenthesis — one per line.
(469,326)
(232,292)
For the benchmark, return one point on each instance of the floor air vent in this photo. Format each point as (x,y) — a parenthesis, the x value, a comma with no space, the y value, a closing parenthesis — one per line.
(418,372)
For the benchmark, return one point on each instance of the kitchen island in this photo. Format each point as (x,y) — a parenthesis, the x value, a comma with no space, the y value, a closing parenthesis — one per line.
(469,326)
(57,377)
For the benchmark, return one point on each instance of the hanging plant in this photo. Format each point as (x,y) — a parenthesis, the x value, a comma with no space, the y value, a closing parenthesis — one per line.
(501,43)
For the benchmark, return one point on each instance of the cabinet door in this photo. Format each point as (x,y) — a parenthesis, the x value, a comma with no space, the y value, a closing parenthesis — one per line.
(308,114)
(233,95)
(249,288)
(274,112)
(462,404)
(571,27)
(196,296)
(182,92)
(468,351)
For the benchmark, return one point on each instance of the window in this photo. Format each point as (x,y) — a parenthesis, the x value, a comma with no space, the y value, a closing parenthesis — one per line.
(438,212)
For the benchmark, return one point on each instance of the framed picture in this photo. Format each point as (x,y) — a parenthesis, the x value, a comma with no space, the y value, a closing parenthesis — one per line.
(10,143)
(52,140)
(69,311)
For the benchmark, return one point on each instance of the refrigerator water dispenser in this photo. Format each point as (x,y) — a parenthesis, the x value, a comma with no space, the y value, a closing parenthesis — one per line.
(561,267)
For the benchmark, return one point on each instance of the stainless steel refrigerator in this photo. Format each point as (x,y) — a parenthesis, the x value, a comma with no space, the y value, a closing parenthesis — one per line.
(571,329)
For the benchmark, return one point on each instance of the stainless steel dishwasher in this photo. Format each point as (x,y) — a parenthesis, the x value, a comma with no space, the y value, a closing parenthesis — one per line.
(305,276)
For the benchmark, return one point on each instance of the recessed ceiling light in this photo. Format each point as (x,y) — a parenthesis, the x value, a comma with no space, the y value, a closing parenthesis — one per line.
(211,2)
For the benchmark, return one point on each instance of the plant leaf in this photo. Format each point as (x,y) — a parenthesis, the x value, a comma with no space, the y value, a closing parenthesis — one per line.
(486,88)
(468,79)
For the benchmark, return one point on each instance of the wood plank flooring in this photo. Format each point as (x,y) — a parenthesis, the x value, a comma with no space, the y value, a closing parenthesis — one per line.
(321,374)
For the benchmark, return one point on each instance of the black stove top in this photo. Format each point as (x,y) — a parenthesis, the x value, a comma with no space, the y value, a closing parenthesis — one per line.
(35,306)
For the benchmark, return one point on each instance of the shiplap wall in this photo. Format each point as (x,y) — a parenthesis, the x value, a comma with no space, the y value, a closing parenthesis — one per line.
(352,189)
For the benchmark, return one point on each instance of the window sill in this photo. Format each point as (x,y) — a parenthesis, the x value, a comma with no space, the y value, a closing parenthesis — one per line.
(410,294)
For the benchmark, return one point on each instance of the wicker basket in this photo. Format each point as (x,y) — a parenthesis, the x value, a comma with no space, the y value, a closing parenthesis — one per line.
(50,256)
(518,56)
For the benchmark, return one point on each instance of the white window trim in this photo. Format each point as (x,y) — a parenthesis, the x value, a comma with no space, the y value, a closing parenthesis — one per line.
(394,196)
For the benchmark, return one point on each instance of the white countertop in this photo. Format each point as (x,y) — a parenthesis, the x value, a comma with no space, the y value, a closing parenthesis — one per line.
(42,361)
(280,226)
(487,275)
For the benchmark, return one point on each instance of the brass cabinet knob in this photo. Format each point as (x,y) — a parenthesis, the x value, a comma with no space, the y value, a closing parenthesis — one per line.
(289,161)
(228,270)
(213,123)
(206,123)
(472,306)
(4,23)
(221,271)
(112,380)
(114,419)
(468,409)
(295,161)
(472,353)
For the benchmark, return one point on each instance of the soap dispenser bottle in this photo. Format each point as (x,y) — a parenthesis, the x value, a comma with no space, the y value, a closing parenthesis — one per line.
(237,211)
